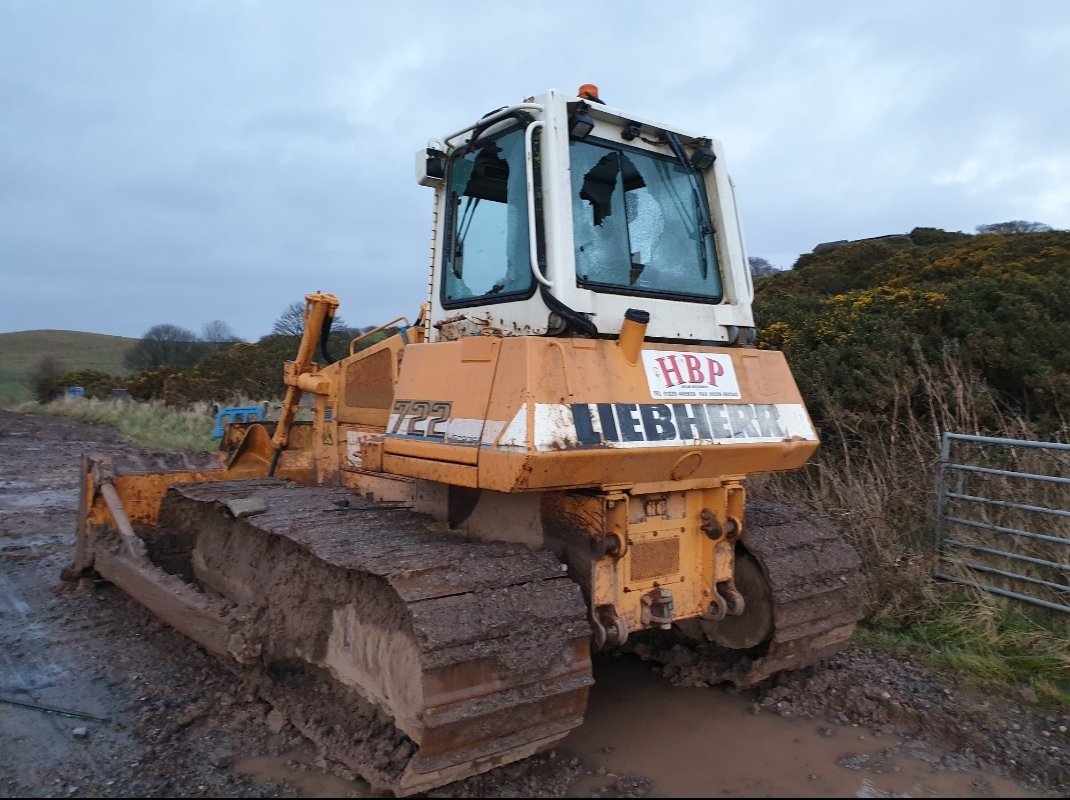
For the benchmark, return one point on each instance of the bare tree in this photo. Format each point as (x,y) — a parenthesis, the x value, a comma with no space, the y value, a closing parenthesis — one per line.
(164,346)
(1014,226)
(218,332)
(44,375)
(760,267)
(292,321)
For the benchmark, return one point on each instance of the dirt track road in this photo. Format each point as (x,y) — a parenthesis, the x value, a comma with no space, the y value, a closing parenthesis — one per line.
(162,718)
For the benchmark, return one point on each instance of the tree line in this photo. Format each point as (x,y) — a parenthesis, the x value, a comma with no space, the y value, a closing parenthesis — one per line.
(858,320)
(174,364)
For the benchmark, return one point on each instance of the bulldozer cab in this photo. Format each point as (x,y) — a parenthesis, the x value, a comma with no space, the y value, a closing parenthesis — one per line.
(557,215)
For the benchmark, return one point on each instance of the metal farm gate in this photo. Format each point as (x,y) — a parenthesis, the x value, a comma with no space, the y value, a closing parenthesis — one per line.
(1003,518)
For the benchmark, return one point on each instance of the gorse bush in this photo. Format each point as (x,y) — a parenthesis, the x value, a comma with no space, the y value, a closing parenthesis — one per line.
(853,319)
(95,384)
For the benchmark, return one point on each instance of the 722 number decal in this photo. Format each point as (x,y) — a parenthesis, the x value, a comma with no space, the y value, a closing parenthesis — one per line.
(424,418)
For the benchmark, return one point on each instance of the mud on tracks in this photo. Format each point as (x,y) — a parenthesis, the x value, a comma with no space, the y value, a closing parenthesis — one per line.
(479,650)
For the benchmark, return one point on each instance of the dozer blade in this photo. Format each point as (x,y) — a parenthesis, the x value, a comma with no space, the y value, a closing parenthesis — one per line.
(410,655)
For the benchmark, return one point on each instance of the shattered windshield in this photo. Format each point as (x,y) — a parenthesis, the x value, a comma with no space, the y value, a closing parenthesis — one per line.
(637,224)
(488,257)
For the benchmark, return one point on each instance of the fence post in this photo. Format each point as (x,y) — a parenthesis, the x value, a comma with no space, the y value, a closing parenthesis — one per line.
(941,498)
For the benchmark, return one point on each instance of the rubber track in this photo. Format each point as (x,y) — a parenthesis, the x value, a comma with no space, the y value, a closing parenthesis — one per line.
(500,632)
(817,587)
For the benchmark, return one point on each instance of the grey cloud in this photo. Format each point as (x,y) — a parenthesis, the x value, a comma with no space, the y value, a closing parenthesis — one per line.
(187,161)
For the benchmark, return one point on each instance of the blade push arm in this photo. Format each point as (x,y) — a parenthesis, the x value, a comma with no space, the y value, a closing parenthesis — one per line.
(299,375)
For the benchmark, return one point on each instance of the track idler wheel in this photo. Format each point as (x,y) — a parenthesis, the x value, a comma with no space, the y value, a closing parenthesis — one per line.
(745,607)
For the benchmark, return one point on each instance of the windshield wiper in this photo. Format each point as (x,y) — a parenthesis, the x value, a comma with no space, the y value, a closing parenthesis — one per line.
(705,217)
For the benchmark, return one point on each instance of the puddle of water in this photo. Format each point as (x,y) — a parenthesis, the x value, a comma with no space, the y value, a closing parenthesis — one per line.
(26,666)
(311,782)
(11,600)
(65,498)
(29,548)
(706,742)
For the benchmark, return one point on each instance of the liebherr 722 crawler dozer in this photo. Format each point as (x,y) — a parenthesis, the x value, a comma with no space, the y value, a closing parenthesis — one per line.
(550,460)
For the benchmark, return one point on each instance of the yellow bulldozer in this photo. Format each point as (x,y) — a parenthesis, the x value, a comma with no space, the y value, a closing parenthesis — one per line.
(551,460)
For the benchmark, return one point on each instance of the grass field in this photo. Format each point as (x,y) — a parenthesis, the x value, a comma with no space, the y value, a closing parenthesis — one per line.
(20,352)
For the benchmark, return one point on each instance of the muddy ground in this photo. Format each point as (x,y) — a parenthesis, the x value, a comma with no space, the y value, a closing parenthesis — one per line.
(160,717)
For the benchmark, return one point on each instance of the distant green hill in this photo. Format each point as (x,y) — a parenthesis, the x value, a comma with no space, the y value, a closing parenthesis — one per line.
(21,351)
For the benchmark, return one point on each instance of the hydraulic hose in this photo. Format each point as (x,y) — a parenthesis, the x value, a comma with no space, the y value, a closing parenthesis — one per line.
(573,318)
(325,335)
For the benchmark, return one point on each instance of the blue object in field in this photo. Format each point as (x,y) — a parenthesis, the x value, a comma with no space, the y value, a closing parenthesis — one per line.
(75,391)
(236,414)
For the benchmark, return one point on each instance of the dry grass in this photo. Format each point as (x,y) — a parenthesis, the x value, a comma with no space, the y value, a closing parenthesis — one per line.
(152,425)
(880,482)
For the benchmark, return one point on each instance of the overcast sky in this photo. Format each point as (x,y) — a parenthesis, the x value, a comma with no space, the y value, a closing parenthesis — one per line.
(182,161)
